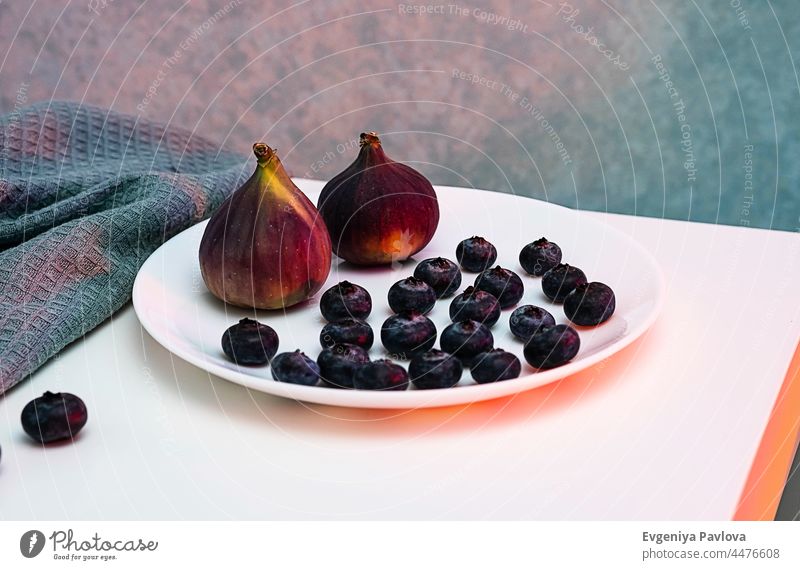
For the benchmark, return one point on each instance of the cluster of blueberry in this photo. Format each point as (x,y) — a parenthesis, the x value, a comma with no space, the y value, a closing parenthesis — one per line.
(408,334)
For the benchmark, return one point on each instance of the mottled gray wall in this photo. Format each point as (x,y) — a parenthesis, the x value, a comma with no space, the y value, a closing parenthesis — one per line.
(550,116)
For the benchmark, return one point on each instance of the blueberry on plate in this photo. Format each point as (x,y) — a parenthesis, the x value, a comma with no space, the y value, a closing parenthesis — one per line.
(347,331)
(441,274)
(475,305)
(540,256)
(250,343)
(53,417)
(345,300)
(552,346)
(503,284)
(339,363)
(561,280)
(295,368)
(527,319)
(435,369)
(465,339)
(381,375)
(411,294)
(408,333)
(494,366)
(590,304)
(476,254)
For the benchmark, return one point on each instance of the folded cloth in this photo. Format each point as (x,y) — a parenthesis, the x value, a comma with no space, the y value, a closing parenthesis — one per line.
(86,195)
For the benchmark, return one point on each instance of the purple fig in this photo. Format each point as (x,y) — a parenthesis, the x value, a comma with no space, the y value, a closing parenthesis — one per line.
(378,211)
(266,247)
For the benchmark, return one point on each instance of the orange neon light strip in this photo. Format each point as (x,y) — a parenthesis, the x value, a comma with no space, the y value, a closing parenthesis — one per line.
(762,491)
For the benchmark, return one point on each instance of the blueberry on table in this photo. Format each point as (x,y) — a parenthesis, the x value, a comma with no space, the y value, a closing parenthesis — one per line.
(504,284)
(345,300)
(54,417)
(552,346)
(347,331)
(561,280)
(408,333)
(435,369)
(475,305)
(494,366)
(476,254)
(540,256)
(411,294)
(250,343)
(527,319)
(441,274)
(381,375)
(339,363)
(465,339)
(295,368)
(590,304)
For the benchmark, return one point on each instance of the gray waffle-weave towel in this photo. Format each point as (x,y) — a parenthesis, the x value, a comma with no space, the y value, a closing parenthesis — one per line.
(86,194)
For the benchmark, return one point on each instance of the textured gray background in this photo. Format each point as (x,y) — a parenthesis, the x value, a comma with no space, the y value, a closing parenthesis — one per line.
(308,77)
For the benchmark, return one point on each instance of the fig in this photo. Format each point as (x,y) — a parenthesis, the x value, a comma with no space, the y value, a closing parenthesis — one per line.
(266,247)
(378,211)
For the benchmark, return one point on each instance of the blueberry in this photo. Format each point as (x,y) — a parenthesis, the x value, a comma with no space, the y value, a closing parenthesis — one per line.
(347,331)
(295,368)
(539,257)
(590,304)
(345,300)
(408,333)
(503,284)
(441,274)
(552,346)
(411,294)
(475,254)
(527,319)
(339,363)
(381,375)
(435,369)
(53,417)
(475,305)
(559,281)
(250,343)
(465,339)
(495,365)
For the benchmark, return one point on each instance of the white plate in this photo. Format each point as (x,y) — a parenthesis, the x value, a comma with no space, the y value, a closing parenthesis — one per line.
(175,307)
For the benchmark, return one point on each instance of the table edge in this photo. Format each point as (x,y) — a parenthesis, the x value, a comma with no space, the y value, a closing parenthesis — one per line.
(769,471)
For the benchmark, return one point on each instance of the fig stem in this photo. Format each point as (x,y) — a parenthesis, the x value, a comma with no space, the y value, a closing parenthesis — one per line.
(369,138)
(263,153)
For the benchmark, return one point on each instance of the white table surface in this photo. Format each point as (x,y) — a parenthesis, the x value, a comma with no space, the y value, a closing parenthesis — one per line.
(666,429)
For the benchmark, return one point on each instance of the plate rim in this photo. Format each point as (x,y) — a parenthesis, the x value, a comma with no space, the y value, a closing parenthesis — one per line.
(439,397)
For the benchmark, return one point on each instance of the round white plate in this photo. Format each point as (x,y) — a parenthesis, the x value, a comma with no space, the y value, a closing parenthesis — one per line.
(175,307)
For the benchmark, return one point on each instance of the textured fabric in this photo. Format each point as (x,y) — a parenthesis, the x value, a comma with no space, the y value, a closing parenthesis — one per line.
(86,195)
